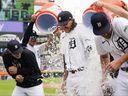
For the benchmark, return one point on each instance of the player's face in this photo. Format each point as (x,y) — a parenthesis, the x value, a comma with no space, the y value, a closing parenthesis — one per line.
(16,55)
(67,27)
(32,41)
(107,35)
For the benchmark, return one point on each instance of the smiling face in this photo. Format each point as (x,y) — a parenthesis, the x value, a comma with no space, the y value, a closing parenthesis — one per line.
(16,55)
(69,26)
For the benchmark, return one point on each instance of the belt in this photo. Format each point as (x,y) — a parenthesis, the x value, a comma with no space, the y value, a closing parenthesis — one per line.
(77,70)
(124,69)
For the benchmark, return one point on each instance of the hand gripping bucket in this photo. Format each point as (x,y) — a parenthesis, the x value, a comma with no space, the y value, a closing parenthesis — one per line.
(92,9)
(46,18)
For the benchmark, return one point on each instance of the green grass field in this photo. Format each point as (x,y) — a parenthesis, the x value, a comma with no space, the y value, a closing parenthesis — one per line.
(51,86)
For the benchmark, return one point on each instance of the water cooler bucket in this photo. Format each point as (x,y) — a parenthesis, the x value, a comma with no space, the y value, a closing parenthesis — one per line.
(88,13)
(92,9)
(46,18)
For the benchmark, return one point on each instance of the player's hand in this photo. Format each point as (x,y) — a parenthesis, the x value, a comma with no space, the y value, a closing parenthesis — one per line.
(19,78)
(113,66)
(98,4)
(33,17)
(12,70)
(63,86)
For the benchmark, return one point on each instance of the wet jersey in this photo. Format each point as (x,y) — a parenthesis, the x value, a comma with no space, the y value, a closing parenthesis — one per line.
(117,45)
(38,51)
(76,47)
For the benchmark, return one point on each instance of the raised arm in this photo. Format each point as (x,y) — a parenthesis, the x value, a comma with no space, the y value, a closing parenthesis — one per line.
(113,8)
(28,31)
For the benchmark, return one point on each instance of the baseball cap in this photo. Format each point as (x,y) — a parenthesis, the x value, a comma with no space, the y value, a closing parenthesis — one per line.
(34,34)
(14,46)
(63,17)
(100,23)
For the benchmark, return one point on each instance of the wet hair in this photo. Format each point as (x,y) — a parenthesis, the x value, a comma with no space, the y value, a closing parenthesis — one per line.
(73,24)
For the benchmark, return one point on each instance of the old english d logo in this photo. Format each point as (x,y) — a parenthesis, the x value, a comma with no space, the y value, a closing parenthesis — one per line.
(72,43)
(121,44)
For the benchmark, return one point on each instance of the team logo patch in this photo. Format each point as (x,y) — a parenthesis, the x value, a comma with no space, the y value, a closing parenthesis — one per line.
(99,24)
(122,44)
(16,46)
(59,18)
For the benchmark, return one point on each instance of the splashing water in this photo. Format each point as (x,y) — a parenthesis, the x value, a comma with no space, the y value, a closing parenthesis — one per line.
(53,60)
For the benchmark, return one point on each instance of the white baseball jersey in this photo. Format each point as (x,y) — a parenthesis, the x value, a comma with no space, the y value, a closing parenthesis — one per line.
(38,51)
(117,45)
(76,48)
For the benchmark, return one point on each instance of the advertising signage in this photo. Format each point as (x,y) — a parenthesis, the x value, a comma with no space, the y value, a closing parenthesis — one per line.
(11,26)
(16,10)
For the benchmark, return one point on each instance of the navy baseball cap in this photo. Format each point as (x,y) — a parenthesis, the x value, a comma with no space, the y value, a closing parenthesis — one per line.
(14,46)
(100,23)
(63,17)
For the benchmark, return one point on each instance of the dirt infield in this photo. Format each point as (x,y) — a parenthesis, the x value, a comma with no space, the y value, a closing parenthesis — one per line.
(52,85)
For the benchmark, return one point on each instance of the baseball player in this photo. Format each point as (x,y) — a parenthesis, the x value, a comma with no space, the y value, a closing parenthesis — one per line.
(21,64)
(112,37)
(76,48)
(37,49)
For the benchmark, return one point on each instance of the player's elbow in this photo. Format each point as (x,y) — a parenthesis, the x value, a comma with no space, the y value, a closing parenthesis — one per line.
(124,14)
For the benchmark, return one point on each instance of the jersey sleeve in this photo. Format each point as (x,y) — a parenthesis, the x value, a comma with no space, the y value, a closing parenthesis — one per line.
(120,26)
(7,63)
(40,47)
(99,46)
(86,42)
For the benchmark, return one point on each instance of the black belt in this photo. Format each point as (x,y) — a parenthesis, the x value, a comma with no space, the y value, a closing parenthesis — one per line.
(79,69)
(28,84)
(124,69)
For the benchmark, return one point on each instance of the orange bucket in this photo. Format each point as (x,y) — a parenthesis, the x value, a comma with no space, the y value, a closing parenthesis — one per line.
(92,9)
(46,18)
(88,13)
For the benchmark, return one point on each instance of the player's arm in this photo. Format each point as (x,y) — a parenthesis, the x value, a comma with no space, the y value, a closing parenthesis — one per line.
(104,55)
(65,70)
(115,64)
(10,68)
(104,59)
(65,75)
(114,8)
(28,31)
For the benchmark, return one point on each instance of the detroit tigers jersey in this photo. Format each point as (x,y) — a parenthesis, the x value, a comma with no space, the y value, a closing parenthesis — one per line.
(76,48)
(117,45)
(38,51)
